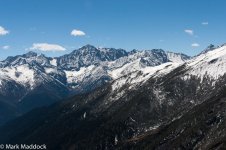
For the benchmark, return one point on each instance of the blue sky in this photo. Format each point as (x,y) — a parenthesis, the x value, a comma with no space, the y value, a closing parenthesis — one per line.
(46,26)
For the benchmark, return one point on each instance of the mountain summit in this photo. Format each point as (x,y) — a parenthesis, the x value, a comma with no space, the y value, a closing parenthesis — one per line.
(89,55)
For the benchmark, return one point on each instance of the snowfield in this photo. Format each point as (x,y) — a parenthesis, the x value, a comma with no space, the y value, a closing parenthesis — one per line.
(21,74)
(211,63)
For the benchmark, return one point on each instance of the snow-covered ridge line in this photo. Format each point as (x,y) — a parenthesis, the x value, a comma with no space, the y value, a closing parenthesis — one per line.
(212,63)
(142,74)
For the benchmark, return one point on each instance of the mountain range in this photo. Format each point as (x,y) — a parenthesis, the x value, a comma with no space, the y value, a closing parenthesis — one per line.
(31,80)
(114,99)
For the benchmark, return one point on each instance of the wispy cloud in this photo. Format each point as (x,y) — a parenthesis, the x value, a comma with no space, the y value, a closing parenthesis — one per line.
(205,23)
(5,47)
(47,47)
(76,32)
(195,45)
(189,31)
(3,31)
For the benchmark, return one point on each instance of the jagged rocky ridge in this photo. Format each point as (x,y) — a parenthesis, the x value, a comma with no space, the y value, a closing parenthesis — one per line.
(169,106)
(31,80)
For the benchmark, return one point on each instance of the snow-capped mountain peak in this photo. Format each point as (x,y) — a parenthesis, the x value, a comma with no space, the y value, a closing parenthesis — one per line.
(30,54)
(209,48)
(88,55)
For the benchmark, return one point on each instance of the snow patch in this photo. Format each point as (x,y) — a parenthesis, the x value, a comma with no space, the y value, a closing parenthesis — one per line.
(175,57)
(50,70)
(53,62)
(73,76)
(21,74)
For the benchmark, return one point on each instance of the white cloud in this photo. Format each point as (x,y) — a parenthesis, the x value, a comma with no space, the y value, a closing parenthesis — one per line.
(77,33)
(205,23)
(3,31)
(195,45)
(188,31)
(47,47)
(5,47)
